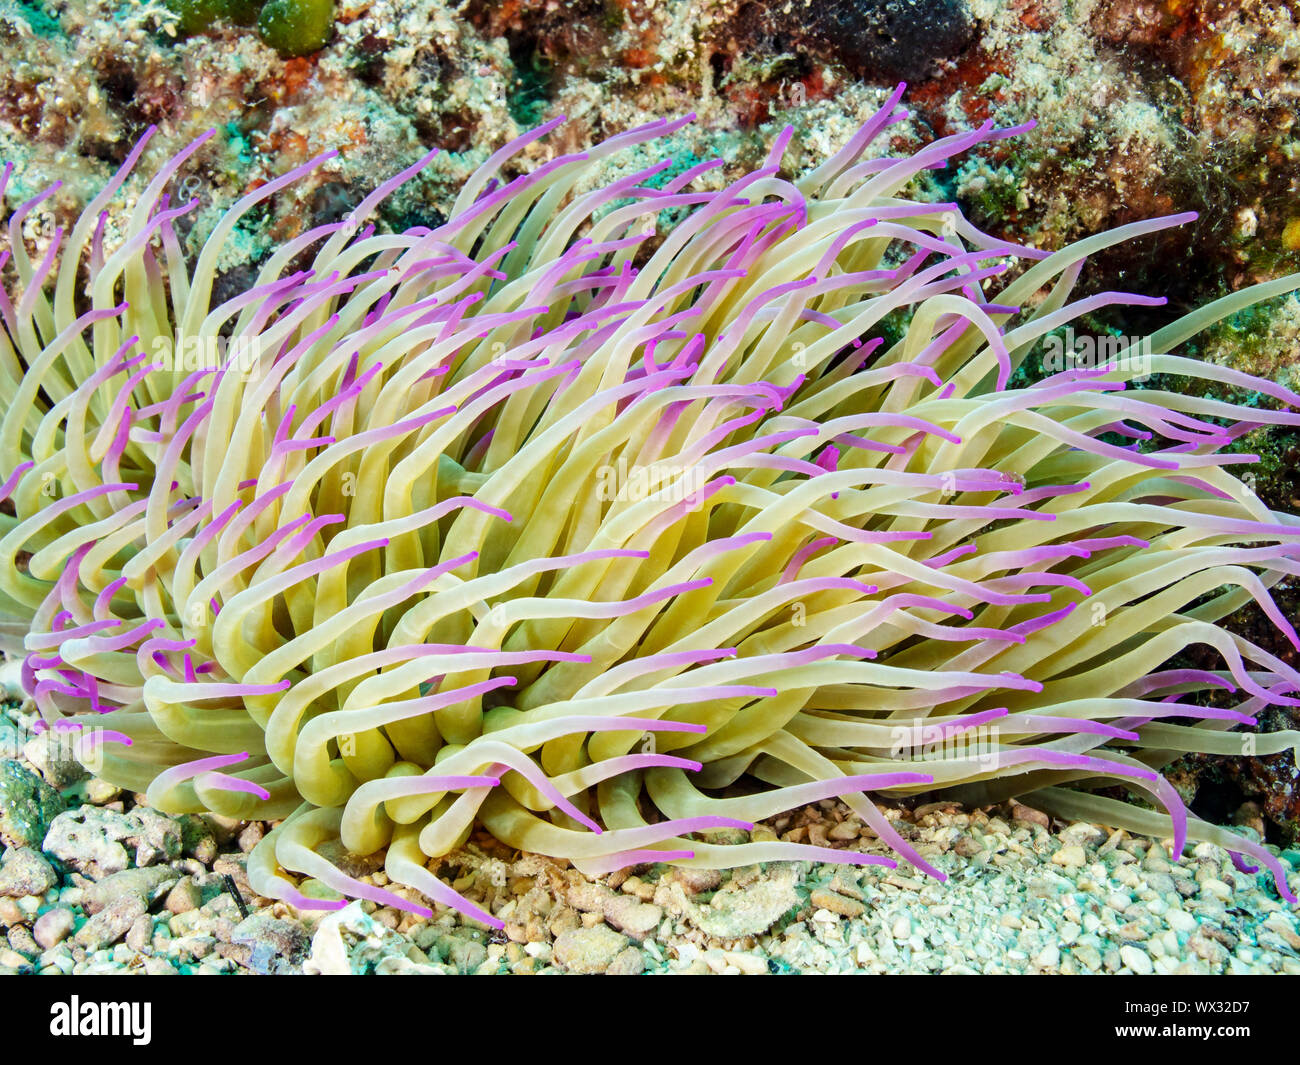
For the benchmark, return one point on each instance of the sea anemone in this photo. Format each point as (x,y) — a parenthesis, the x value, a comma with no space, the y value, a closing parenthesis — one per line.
(602,519)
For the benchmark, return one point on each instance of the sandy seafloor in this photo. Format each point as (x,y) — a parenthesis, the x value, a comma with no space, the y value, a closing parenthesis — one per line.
(1143,109)
(106,886)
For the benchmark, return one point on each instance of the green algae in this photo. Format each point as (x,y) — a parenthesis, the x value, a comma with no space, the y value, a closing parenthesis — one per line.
(196,16)
(296,27)
(291,27)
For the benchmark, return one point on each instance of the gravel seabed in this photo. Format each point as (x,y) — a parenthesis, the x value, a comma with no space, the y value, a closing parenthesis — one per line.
(91,882)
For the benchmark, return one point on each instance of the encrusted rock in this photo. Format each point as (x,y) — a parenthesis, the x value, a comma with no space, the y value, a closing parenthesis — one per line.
(27,805)
(464,953)
(157,838)
(589,950)
(735,912)
(351,941)
(24,871)
(277,946)
(100,843)
(148,885)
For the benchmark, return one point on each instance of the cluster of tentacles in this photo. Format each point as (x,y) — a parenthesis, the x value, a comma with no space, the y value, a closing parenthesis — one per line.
(599,533)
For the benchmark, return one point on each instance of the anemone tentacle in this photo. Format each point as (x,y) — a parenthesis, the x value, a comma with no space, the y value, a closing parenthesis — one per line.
(559,520)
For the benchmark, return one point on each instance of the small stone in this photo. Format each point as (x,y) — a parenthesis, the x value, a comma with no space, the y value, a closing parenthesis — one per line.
(748,964)
(10,912)
(100,792)
(156,837)
(1207,949)
(147,885)
(24,871)
(198,840)
(466,954)
(396,965)
(1217,888)
(586,897)
(636,919)
(1132,931)
(53,927)
(184,897)
(902,927)
(222,829)
(634,885)
(1138,961)
(1089,956)
(836,903)
(52,756)
(1082,834)
(194,947)
(589,950)
(697,881)
(1048,958)
(1160,882)
(1032,816)
(1071,856)
(630,962)
(11,678)
(21,940)
(329,954)
(110,924)
(1155,862)
(1180,921)
(139,936)
(251,837)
